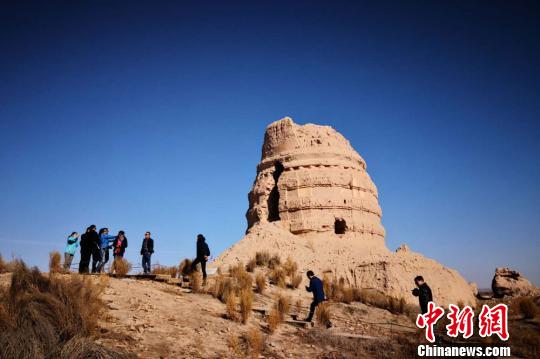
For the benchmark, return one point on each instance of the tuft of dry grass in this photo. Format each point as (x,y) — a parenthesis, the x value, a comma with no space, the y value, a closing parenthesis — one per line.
(120,267)
(274,261)
(527,307)
(290,267)
(195,280)
(246,304)
(296,280)
(184,268)
(172,271)
(5,266)
(262,258)
(55,260)
(274,320)
(230,307)
(277,277)
(260,283)
(323,313)
(50,316)
(250,267)
(255,342)
(283,306)
(234,344)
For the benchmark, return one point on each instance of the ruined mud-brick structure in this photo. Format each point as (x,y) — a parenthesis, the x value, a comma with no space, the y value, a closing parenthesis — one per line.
(312,180)
(313,200)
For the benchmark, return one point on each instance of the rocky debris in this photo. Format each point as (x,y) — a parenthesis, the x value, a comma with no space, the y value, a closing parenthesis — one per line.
(508,282)
(313,199)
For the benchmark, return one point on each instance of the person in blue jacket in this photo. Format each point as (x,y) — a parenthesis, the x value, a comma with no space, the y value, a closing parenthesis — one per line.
(316,287)
(72,244)
(105,243)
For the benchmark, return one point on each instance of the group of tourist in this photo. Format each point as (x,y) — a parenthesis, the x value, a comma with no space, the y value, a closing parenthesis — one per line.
(95,246)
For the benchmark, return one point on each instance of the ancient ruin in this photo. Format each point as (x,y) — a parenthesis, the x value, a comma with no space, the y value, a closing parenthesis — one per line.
(508,282)
(313,200)
(311,180)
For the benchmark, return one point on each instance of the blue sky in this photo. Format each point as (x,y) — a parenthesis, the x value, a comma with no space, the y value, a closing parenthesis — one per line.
(150,116)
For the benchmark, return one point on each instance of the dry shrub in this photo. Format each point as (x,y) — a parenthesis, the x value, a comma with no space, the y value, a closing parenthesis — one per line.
(120,267)
(5,266)
(84,348)
(49,316)
(195,280)
(262,258)
(246,304)
(347,295)
(255,342)
(172,271)
(323,313)
(274,261)
(277,277)
(231,307)
(250,267)
(327,285)
(298,306)
(260,283)
(290,267)
(296,280)
(273,319)
(283,306)
(184,267)
(527,307)
(234,344)
(55,260)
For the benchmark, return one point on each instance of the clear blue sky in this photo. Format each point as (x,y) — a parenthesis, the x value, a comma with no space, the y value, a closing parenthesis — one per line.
(150,116)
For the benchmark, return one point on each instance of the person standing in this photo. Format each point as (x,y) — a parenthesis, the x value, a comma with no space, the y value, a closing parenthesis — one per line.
(71,247)
(316,287)
(147,250)
(120,245)
(93,238)
(105,241)
(423,292)
(203,253)
(87,248)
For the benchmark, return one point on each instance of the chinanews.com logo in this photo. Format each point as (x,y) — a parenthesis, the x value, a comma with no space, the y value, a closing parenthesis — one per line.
(491,321)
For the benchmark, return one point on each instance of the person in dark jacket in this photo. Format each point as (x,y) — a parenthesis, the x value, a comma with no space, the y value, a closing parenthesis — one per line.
(316,287)
(203,253)
(89,248)
(120,245)
(146,252)
(423,292)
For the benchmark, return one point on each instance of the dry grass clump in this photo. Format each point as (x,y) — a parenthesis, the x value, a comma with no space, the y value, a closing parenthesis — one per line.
(55,260)
(260,283)
(274,320)
(184,268)
(250,267)
(49,317)
(283,306)
(296,280)
(5,266)
(277,277)
(234,344)
(172,271)
(527,307)
(231,311)
(255,342)
(323,313)
(222,288)
(274,261)
(262,258)
(290,267)
(120,267)
(196,281)
(246,304)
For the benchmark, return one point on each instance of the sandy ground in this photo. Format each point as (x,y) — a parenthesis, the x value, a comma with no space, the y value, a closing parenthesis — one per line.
(158,320)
